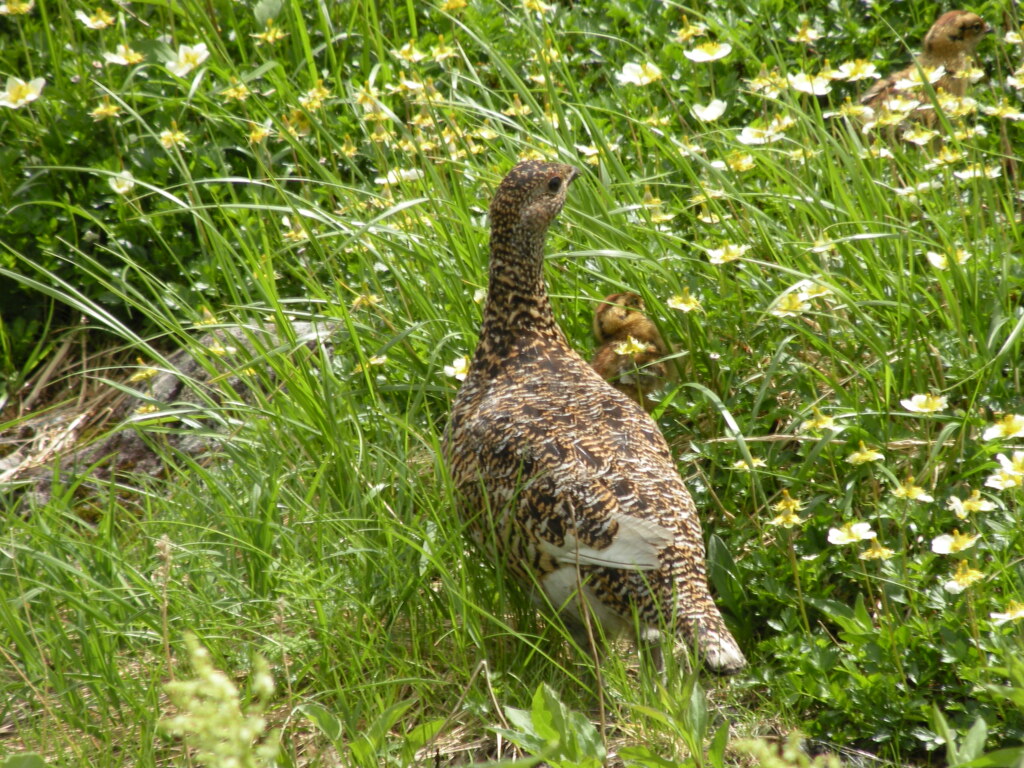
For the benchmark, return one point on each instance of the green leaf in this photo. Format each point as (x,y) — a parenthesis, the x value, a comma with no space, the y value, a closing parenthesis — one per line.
(328,724)
(716,750)
(974,741)
(24,760)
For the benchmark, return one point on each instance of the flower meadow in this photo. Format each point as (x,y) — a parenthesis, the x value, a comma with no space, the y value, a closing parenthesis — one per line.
(841,287)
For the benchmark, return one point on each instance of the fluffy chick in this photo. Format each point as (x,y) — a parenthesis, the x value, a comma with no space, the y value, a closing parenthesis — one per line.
(629,347)
(949,44)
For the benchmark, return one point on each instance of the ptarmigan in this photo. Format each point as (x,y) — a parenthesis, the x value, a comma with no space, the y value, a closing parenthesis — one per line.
(629,349)
(949,44)
(561,477)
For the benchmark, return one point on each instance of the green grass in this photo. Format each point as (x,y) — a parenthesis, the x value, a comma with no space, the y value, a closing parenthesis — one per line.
(323,539)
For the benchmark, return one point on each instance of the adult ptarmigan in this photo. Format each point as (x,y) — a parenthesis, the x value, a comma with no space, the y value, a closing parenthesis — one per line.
(564,479)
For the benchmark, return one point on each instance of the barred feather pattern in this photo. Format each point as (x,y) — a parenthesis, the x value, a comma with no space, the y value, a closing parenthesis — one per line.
(564,479)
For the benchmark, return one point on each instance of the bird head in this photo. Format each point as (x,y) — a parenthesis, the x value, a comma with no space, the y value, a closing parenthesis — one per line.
(529,198)
(614,312)
(955,33)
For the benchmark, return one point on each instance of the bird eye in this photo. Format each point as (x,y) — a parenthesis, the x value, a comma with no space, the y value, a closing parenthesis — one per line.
(555,184)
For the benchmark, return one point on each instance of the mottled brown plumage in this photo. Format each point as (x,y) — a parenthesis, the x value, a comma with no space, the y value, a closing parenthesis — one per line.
(949,44)
(629,349)
(562,478)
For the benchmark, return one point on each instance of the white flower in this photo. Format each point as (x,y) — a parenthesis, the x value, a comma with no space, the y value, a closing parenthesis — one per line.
(919,135)
(19,93)
(1011,425)
(850,532)
(979,171)
(949,544)
(458,369)
(123,55)
(924,403)
(639,74)
(918,77)
(725,254)
(189,57)
(816,85)
(858,69)
(99,20)
(122,182)
(398,175)
(709,51)
(709,112)
(752,136)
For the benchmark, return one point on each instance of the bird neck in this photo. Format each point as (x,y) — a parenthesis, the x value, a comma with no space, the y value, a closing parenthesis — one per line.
(517,299)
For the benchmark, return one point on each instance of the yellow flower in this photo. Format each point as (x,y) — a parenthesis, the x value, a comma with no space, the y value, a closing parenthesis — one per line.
(787,503)
(518,109)
(143,374)
(258,133)
(739,161)
(19,93)
(962,578)
(1004,110)
(1011,425)
(410,53)
(806,34)
(684,302)
(270,35)
(850,532)
(742,465)
(786,520)
(1014,611)
(173,137)
(948,544)
(450,6)
(105,110)
(314,97)
(689,31)
(924,403)
(148,408)
(537,6)
(440,52)
(220,350)
(631,346)
(912,492)
(236,91)
(863,456)
(365,300)
(99,20)
(819,423)
(876,552)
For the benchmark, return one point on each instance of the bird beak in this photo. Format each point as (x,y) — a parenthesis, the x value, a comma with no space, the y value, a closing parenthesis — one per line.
(574,173)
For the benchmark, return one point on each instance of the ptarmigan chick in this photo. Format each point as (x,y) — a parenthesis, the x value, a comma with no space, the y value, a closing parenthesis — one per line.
(629,349)
(949,44)
(562,478)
